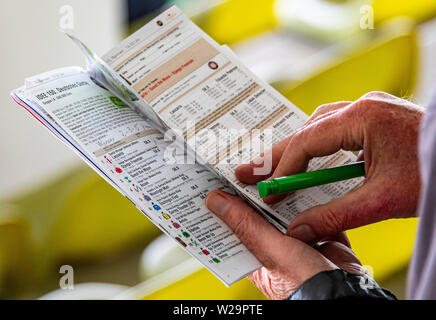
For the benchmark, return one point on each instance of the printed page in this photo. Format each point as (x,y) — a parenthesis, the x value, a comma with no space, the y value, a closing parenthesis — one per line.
(210,100)
(129,152)
(107,77)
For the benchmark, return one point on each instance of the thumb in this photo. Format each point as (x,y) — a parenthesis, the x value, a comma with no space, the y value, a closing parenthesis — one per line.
(276,251)
(248,226)
(365,205)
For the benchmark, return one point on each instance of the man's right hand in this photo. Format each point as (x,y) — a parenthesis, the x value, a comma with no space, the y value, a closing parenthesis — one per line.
(385,129)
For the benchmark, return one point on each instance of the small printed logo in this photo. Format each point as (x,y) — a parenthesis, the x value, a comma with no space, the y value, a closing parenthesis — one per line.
(213,65)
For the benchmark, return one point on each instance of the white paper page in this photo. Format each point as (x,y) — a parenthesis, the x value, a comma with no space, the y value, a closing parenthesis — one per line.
(130,152)
(198,87)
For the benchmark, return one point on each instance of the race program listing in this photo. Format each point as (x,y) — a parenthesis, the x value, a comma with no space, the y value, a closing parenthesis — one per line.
(220,108)
(132,153)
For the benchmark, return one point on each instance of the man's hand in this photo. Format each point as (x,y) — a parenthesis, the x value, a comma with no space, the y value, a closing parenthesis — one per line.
(385,129)
(287,262)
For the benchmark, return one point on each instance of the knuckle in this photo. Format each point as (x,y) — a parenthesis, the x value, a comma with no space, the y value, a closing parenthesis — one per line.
(361,106)
(375,94)
(322,108)
(366,109)
(375,102)
(322,111)
(315,130)
(301,140)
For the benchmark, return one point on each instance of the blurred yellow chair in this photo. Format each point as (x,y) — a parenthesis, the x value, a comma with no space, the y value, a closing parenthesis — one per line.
(418,10)
(16,251)
(328,20)
(234,20)
(78,217)
(386,63)
(336,20)
(203,285)
(227,21)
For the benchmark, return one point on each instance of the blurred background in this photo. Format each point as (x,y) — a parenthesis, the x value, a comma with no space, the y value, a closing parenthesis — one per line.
(61,224)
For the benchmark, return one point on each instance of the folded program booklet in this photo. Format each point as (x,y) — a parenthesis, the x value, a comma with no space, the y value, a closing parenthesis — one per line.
(165,117)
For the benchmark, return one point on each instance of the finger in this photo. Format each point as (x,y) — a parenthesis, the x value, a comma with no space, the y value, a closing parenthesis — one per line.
(270,159)
(327,109)
(321,138)
(275,198)
(259,236)
(276,251)
(246,172)
(368,204)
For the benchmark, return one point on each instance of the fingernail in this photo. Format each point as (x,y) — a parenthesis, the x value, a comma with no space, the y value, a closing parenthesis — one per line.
(304,233)
(218,204)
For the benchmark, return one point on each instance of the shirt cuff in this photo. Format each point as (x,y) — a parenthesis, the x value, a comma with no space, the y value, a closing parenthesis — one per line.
(339,284)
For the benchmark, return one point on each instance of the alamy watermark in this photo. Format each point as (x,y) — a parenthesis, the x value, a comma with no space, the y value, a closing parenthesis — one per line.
(66,282)
(66,20)
(220,146)
(367,17)
(367,280)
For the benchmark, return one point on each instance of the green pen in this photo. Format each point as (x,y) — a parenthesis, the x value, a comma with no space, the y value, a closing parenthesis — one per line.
(310,179)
